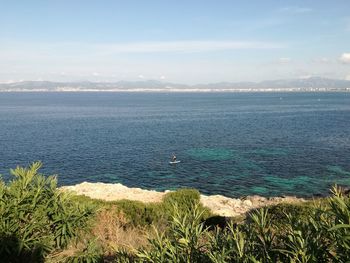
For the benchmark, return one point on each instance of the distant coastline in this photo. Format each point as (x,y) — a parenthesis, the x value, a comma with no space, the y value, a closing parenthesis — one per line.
(173,91)
(313,84)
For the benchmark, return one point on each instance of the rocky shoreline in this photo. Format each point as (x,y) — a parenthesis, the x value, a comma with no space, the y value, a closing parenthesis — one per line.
(218,204)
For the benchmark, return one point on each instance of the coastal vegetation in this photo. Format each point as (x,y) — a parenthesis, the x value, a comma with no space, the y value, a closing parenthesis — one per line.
(36,218)
(41,223)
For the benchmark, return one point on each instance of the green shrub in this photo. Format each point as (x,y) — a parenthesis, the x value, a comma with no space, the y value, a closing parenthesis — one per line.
(232,244)
(338,224)
(123,256)
(185,199)
(138,213)
(145,214)
(182,243)
(91,253)
(35,217)
(279,212)
(282,233)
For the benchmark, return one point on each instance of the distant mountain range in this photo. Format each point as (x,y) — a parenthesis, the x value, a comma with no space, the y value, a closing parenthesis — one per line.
(307,84)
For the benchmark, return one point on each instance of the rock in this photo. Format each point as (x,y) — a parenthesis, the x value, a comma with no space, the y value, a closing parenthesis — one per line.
(112,192)
(257,200)
(247,203)
(221,205)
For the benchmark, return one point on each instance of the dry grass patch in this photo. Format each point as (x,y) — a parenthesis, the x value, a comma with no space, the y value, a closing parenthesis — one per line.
(113,231)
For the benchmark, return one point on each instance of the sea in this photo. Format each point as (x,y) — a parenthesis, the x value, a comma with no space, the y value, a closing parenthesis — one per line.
(233,144)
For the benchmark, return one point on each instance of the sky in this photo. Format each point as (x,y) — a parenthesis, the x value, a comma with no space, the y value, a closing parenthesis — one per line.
(182,41)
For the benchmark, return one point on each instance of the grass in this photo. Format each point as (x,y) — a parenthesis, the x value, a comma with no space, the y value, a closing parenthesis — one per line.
(113,231)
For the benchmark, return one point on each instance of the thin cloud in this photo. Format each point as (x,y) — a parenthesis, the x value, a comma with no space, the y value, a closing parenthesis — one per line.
(73,50)
(284,60)
(186,46)
(345,58)
(321,60)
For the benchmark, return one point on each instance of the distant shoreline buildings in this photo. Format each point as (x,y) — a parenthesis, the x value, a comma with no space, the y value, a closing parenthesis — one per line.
(315,84)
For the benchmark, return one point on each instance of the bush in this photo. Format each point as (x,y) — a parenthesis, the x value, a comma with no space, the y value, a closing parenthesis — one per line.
(279,212)
(182,243)
(146,214)
(185,199)
(282,233)
(91,253)
(35,217)
(138,213)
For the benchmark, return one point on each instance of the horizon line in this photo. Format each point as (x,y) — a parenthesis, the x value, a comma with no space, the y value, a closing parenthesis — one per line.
(171,82)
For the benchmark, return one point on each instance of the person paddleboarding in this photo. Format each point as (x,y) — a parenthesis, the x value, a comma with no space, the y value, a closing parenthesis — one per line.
(174,160)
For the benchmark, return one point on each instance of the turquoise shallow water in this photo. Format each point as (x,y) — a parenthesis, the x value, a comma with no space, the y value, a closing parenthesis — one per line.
(232,144)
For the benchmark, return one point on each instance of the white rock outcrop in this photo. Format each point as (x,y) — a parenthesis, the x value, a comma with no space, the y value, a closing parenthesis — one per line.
(218,204)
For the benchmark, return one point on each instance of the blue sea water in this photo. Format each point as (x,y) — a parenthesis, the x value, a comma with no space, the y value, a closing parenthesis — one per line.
(228,143)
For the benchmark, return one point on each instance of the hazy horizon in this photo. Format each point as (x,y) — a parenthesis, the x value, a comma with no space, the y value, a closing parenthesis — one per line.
(187,42)
(166,81)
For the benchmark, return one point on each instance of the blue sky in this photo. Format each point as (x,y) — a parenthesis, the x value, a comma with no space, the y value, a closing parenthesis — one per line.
(176,41)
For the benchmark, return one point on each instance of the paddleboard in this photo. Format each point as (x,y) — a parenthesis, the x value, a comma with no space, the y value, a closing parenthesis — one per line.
(174,162)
